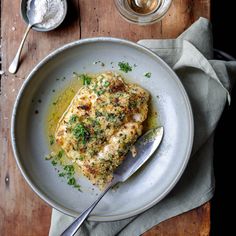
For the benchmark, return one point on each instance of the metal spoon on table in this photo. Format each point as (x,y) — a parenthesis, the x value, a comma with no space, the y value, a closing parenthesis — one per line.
(28,13)
(145,146)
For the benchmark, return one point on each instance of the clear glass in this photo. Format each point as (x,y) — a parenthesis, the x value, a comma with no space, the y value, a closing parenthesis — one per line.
(134,12)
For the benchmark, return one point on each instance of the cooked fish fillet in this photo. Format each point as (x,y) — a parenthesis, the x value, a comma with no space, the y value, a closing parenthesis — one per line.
(101,124)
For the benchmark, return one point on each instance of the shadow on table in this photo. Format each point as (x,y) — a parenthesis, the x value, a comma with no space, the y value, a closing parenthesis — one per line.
(223,19)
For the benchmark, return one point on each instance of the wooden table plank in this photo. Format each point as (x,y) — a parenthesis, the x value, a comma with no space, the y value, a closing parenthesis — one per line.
(21,211)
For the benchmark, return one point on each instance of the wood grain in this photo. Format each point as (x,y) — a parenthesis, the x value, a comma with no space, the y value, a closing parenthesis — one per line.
(21,211)
(193,223)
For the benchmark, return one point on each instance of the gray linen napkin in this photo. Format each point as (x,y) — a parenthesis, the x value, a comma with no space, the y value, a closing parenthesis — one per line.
(207,83)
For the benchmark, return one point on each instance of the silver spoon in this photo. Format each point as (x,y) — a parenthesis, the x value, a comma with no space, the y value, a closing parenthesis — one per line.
(30,14)
(145,146)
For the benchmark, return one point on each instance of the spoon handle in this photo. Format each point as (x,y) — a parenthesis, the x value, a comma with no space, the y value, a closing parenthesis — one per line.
(14,65)
(72,229)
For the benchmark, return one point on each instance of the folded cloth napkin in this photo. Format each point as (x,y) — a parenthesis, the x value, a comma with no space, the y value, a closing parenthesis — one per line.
(207,83)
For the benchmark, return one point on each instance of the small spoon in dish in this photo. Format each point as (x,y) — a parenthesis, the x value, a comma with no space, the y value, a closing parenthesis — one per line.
(29,12)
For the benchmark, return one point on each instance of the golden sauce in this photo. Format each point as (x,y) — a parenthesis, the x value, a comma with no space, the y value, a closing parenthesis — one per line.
(60,102)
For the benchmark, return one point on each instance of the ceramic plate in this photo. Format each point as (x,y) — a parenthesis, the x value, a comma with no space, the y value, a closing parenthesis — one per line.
(154,180)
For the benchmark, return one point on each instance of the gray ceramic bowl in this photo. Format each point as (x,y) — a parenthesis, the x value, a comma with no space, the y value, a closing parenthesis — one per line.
(25,18)
(154,180)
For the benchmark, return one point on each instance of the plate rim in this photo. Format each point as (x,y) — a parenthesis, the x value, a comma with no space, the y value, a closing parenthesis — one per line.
(50,56)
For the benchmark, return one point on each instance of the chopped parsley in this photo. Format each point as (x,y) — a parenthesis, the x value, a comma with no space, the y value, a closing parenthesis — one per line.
(95,123)
(100,92)
(68,171)
(111,117)
(54,162)
(86,79)
(55,158)
(71,181)
(62,174)
(106,84)
(51,139)
(148,74)
(74,118)
(98,113)
(81,133)
(69,168)
(125,66)
(132,104)
(60,154)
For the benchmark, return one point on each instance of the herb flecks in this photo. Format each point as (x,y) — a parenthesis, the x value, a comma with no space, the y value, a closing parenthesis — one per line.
(71,181)
(68,173)
(86,79)
(125,66)
(73,119)
(99,62)
(60,154)
(55,157)
(81,133)
(106,84)
(148,74)
(54,162)
(51,139)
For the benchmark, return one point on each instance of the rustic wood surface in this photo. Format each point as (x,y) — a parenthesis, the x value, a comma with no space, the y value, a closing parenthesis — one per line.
(21,211)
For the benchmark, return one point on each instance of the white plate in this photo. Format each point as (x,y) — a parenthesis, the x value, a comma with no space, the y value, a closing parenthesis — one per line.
(154,180)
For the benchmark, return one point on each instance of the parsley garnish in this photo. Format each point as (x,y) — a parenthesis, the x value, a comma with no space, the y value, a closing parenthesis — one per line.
(62,174)
(73,119)
(132,104)
(60,154)
(98,113)
(86,79)
(54,162)
(100,92)
(148,74)
(125,66)
(80,132)
(51,139)
(69,168)
(71,181)
(111,117)
(106,84)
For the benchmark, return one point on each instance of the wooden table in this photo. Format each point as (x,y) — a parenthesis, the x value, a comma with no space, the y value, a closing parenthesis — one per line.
(22,213)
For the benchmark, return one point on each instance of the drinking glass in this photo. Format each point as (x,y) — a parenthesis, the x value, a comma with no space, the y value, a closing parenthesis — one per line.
(143,12)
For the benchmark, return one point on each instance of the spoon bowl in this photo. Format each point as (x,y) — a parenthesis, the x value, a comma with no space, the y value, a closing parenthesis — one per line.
(27,17)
